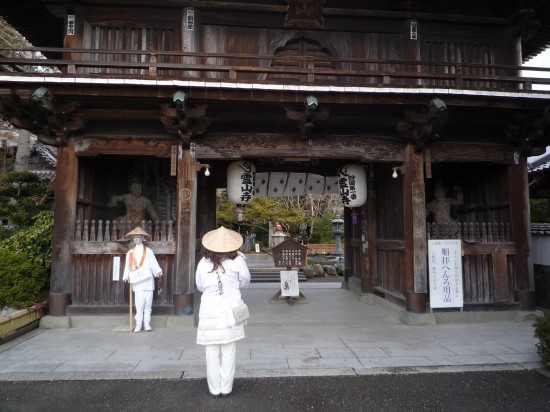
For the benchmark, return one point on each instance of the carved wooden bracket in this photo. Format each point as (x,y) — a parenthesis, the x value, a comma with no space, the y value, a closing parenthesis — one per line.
(421,127)
(530,134)
(40,113)
(307,119)
(524,23)
(186,121)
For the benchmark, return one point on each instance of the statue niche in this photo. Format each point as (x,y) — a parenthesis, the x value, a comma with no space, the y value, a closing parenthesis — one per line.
(439,210)
(138,207)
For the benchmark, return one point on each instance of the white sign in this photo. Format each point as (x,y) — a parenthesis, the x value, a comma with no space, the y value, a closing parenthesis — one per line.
(289,283)
(70,24)
(445,266)
(116,268)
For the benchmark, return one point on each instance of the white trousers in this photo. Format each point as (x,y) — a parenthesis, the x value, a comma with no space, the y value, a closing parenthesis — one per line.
(220,367)
(144,302)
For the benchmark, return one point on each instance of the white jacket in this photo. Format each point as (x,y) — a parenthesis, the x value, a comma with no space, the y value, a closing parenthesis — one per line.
(216,321)
(150,263)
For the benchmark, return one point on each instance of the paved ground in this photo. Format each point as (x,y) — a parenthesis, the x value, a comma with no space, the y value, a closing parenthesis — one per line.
(461,391)
(333,335)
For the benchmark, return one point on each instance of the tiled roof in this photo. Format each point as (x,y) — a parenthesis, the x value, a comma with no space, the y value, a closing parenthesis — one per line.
(542,163)
(48,153)
(44,174)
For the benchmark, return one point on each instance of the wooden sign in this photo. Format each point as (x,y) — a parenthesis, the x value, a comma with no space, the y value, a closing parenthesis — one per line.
(289,254)
(174,161)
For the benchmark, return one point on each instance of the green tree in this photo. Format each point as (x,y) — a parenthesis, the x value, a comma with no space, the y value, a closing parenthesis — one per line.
(22,196)
(322,229)
(540,210)
(290,212)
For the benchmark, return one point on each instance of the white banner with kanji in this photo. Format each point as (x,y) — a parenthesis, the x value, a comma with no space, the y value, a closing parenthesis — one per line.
(445,270)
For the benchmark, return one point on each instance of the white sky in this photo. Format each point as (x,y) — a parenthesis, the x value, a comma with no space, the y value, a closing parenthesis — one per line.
(542,60)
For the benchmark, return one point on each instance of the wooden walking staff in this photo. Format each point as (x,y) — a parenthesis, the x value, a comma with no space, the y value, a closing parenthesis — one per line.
(130,289)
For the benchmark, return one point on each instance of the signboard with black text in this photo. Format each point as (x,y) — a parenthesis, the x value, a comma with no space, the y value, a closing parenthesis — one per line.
(445,272)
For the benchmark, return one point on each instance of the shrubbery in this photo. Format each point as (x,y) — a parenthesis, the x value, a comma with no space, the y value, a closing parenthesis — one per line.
(21,280)
(542,332)
(25,261)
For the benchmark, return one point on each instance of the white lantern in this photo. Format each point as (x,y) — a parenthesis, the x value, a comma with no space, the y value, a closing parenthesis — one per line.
(352,183)
(241,177)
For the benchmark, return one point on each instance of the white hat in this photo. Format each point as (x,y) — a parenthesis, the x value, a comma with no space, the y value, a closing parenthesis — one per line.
(222,240)
(137,232)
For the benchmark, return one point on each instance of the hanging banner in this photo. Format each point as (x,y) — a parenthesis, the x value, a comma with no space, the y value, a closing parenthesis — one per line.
(241,177)
(352,182)
(445,269)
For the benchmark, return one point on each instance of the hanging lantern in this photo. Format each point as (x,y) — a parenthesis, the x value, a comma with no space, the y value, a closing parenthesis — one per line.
(240,182)
(352,183)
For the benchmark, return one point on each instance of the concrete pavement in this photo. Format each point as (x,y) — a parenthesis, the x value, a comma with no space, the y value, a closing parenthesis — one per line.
(335,333)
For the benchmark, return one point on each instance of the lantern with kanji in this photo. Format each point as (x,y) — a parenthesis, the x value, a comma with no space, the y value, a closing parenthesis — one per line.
(352,183)
(240,182)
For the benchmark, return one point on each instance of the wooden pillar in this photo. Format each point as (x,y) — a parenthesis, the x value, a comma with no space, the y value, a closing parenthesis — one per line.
(349,263)
(520,221)
(368,280)
(61,279)
(206,219)
(414,214)
(184,286)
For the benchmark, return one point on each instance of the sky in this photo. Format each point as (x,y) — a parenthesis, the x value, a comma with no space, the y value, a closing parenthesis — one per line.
(542,60)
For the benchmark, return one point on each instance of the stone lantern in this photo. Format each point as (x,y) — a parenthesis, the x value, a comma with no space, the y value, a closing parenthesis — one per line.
(337,230)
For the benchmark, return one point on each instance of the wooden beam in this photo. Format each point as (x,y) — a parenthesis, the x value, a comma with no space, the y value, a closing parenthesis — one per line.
(237,146)
(128,147)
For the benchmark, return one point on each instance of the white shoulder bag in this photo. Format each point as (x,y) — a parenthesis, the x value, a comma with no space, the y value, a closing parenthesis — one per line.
(240,312)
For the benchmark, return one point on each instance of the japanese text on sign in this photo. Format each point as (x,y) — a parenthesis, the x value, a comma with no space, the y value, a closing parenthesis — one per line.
(445,267)
(70,25)
(348,189)
(190,20)
(289,258)
(247,182)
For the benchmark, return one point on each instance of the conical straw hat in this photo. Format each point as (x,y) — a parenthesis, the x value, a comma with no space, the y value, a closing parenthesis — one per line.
(137,231)
(222,240)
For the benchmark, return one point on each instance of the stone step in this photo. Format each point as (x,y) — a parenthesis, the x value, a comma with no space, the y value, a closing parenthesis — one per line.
(271,275)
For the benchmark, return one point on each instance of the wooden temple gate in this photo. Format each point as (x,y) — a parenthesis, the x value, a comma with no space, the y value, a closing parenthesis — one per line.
(427,96)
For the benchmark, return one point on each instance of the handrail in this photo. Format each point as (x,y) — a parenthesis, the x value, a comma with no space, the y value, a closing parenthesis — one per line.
(359,71)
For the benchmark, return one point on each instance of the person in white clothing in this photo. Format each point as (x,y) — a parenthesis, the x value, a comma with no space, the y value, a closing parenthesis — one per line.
(142,258)
(220,274)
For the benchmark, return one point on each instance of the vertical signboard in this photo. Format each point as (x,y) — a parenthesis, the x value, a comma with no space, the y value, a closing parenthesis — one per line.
(289,283)
(116,268)
(445,268)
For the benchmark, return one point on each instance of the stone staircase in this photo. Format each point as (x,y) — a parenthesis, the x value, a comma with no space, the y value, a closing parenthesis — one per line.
(262,269)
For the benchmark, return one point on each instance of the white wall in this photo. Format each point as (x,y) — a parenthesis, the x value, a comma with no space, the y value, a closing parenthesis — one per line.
(540,249)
